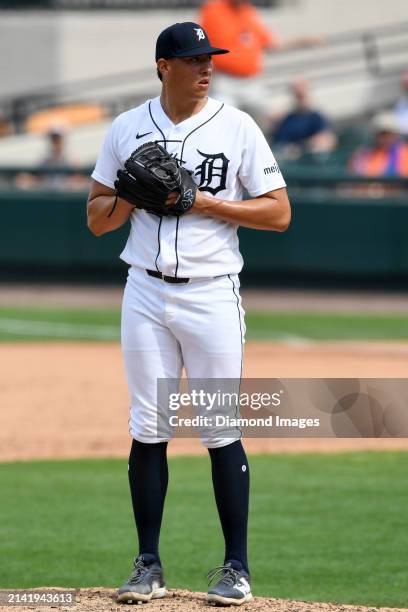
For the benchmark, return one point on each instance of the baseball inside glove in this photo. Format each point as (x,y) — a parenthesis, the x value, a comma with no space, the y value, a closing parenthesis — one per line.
(150,175)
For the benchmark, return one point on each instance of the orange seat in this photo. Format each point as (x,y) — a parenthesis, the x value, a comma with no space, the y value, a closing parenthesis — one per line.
(5,128)
(64,116)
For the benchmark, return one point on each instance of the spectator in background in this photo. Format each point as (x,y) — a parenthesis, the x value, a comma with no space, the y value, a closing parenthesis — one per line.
(237,25)
(56,156)
(303,128)
(401,107)
(388,156)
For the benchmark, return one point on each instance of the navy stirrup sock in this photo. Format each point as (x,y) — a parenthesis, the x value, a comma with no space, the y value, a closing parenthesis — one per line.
(230,475)
(148,479)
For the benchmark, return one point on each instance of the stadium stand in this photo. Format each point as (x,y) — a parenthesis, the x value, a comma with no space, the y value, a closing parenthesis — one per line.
(353,76)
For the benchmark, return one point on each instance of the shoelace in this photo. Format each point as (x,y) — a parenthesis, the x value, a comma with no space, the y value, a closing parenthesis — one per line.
(229,575)
(138,571)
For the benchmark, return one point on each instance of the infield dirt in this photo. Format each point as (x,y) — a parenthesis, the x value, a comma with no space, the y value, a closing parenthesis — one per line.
(93,600)
(69,400)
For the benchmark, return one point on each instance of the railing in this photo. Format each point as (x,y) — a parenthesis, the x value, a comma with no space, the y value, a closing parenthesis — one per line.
(376,52)
(11,171)
(309,175)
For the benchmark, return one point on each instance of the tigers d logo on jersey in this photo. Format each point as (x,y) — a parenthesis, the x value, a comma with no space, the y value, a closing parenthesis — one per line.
(212,172)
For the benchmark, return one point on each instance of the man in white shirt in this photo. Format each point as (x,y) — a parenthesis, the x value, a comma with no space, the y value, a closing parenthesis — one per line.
(181,306)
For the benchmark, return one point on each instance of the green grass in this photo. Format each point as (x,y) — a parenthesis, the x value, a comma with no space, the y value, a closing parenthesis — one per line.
(59,324)
(326,326)
(322,527)
(86,324)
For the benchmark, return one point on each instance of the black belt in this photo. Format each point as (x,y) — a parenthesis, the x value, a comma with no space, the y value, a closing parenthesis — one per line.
(167,279)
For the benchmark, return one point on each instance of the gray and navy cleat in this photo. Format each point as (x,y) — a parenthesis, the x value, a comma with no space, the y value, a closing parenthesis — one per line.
(233,587)
(146,581)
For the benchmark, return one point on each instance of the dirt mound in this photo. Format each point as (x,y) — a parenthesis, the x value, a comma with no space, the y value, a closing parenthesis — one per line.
(99,599)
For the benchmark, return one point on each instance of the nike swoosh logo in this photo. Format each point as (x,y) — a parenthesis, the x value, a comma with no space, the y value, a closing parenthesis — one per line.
(141,135)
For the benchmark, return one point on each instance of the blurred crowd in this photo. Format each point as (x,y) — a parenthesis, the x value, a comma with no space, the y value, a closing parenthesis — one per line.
(375,148)
(303,134)
(57,170)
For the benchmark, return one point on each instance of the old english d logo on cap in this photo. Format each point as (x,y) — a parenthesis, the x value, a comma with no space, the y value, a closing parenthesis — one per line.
(200,33)
(187,39)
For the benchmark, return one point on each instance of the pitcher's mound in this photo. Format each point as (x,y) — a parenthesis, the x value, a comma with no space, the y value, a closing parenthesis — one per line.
(101,599)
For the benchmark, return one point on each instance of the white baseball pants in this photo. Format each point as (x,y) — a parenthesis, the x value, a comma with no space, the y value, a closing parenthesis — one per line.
(199,325)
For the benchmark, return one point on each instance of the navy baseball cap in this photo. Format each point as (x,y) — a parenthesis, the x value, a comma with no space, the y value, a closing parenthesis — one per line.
(186,39)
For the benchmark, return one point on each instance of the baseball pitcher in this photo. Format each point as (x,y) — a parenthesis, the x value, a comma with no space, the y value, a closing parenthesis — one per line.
(177,167)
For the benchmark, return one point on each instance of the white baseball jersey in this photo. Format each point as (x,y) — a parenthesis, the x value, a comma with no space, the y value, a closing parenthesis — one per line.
(225,151)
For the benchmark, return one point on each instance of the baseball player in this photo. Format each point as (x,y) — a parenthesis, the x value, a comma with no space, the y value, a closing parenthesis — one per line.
(181,305)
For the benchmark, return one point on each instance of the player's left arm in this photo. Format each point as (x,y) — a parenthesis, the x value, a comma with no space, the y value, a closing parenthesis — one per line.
(269,211)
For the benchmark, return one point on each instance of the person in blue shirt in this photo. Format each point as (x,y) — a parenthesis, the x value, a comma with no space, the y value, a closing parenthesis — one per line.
(303,128)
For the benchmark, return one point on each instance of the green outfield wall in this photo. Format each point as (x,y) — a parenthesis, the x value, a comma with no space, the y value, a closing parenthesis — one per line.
(44,235)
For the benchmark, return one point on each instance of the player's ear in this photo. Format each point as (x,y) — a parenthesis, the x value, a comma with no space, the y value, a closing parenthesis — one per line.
(162,68)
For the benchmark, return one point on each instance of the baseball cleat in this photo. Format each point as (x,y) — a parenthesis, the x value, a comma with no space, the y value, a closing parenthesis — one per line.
(146,581)
(233,586)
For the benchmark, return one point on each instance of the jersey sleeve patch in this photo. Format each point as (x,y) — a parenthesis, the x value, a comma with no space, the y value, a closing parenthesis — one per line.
(259,171)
